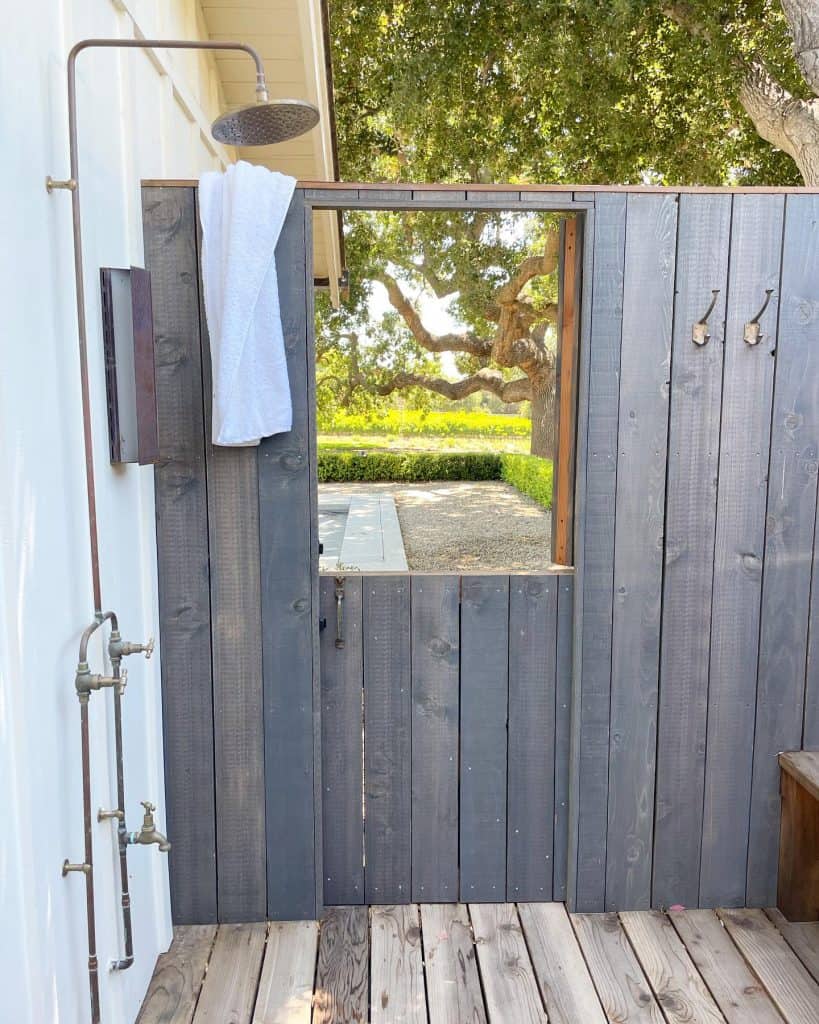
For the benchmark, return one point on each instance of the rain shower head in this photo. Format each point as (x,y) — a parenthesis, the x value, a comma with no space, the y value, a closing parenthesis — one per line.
(265,123)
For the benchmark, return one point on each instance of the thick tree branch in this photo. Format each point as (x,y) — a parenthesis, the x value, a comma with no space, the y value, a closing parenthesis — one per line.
(518,390)
(465,342)
(783,120)
(803,21)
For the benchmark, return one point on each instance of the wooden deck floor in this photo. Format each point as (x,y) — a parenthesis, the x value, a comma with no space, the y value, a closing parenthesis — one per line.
(492,963)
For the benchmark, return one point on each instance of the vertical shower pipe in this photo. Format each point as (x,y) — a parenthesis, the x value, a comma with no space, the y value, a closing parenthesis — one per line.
(72,185)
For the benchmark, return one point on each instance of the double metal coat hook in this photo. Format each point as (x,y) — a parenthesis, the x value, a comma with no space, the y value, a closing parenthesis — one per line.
(753,334)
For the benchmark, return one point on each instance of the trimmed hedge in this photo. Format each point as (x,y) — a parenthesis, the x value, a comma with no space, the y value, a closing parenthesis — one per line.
(527,473)
(530,475)
(406,467)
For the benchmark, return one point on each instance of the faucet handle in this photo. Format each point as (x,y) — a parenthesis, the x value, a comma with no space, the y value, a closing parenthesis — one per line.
(122,682)
(149,807)
(148,648)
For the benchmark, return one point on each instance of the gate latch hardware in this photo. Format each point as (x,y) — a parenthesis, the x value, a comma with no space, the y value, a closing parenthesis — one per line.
(753,335)
(339,613)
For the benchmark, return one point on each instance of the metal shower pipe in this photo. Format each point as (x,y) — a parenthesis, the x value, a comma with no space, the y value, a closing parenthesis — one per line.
(85,682)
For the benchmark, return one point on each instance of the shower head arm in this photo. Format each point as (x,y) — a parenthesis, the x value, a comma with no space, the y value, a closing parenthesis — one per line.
(72,184)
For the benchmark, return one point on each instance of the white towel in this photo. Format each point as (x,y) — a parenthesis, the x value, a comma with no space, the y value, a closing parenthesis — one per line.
(242,212)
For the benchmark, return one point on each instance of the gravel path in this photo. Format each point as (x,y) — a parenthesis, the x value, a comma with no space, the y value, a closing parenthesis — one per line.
(465,527)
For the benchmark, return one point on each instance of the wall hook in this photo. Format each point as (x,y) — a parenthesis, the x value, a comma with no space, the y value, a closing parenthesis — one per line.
(753,335)
(699,333)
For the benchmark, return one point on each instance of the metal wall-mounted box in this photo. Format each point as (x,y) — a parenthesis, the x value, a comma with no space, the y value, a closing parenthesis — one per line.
(130,375)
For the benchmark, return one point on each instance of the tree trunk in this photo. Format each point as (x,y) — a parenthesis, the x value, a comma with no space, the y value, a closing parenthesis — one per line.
(544,426)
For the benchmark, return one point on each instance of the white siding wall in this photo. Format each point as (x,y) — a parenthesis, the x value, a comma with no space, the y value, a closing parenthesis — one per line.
(135,122)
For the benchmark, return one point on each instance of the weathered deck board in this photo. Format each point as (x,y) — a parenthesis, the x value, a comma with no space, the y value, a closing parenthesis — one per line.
(621,984)
(671,973)
(561,971)
(285,994)
(783,974)
(511,964)
(342,975)
(229,988)
(735,988)
(397,994)
(453,986)
(177,979)
(801,936)
(509,983)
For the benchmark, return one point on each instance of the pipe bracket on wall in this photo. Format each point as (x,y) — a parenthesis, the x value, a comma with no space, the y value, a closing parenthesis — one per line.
(699,333)
(753,334)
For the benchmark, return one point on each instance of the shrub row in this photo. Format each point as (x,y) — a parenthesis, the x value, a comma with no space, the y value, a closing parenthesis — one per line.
(406,467)
(530,475)
(527,473)
(422,421)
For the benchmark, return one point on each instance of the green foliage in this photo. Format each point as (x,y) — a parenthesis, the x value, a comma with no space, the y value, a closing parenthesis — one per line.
(406,467)
(423,422)
(530,475)
(556,90)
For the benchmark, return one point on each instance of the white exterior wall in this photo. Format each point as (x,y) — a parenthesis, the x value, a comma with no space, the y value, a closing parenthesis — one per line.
(135,122)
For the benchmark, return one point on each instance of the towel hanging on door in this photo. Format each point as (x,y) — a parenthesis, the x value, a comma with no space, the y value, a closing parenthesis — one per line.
(242,213)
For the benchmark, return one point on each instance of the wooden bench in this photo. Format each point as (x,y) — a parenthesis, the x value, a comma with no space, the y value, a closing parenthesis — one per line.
(798,887)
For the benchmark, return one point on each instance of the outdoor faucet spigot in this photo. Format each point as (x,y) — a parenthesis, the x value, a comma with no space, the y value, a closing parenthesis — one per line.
(119,648)
(85,682)
(148,834)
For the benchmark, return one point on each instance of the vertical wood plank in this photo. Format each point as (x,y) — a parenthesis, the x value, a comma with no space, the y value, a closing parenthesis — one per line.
(169,225)
(588,865)
(563,699)
(566,373)
(531,782)
(288,562)
(342,725)
(387,746)
(236,644)
(789,537)
(648,298)
(435,710)
(484,713)
(693,451)
(756,242)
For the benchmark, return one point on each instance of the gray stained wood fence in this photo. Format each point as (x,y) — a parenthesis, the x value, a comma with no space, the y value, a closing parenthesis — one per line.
(403,760)
(445,726)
